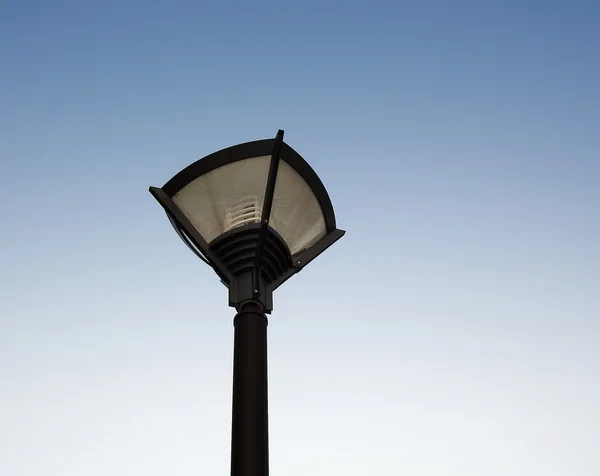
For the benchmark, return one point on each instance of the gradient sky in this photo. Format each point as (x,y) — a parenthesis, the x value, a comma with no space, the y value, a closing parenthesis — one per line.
(452,332)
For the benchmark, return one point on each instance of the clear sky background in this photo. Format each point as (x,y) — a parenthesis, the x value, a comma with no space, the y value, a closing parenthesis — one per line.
(452,332)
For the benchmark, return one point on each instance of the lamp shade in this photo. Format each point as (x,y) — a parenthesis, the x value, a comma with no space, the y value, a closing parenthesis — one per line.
(225,197)
(233,195)
(251,205)
(296,213)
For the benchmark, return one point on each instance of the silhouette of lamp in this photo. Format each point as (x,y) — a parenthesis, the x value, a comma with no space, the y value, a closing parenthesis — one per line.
(256,213)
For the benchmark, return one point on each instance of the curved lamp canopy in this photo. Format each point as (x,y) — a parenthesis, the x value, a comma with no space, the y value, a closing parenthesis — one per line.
(257,213)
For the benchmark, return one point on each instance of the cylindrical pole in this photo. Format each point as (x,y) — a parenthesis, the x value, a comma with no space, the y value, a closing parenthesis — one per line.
(249,433)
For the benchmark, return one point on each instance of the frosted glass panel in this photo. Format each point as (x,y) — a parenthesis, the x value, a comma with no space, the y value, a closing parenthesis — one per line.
(296,214)
(226,197)
(233,195)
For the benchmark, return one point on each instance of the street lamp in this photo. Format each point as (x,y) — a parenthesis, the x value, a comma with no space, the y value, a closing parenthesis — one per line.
(256,213)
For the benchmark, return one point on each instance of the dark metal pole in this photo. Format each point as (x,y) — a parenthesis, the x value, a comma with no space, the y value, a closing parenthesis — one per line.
(249,433)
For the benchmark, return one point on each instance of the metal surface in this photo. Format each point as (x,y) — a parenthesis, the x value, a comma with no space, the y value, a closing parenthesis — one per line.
(266,211)
(249,426)
(304,257)
(237,251)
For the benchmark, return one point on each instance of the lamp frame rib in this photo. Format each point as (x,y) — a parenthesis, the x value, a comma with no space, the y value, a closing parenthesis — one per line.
(266,211)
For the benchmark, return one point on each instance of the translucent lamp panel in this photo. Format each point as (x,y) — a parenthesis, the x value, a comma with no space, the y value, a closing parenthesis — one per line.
(296,214)
(226,197)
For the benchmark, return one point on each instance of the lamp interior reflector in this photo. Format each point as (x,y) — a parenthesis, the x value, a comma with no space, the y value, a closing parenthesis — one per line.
(247,210)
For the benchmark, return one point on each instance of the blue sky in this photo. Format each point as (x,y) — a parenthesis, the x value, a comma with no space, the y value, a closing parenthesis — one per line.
(453,330)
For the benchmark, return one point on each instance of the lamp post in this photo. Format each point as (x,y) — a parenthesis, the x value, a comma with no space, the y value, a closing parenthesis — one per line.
(256,213)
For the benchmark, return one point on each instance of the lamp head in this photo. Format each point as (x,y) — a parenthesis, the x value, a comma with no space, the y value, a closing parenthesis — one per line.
(256,212)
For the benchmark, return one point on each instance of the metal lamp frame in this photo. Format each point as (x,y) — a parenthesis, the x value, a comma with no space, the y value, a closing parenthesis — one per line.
(251,289)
